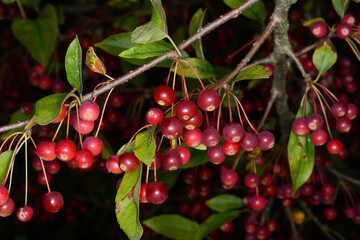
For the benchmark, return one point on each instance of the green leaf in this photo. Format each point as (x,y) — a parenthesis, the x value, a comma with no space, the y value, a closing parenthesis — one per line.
(254,72)
(158,15)
(5,158)
(73,65)
(325,56)
(340,6)
(256,12)
(38,36)
(147,33)
(224,202)
(310,22)
(130,148)
(48,108)
(107,149)
(127,204)
(301,154)
(146,50)
(16,117)
(115,44)
(196,23)
(173,226)
(203,68)
(145,146)
(215,221)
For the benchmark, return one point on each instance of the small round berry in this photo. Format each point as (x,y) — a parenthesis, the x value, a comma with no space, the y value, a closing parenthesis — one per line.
(164,96)
(229,177)
(4,195)
(171,127)
(157,161)
(230,148)
(216,154)
(249,142)
(226,227)
(24,214)
(26,108)
(65,150)
(330,213)
(89,111)
(251,180)
(208,100)
(343,125)
(157,192)
(299,127)
(7,208)
(52,167)
(194,122)
(84,159)
(185,110)
(314,122)
(351,111)
(327,189)
(338,109)
(46,150)
(83,126)
(192,138)
(154,116)
(52,201)
(266,140)
(257,202)
(319,138)
(349,19)
(112,164)
(172,160)
(128,162)
(94,145)
(116,100)
(334,146)
(184,154)
(143,197)
(343,30)
(233,132)
(318,29)
(210,137)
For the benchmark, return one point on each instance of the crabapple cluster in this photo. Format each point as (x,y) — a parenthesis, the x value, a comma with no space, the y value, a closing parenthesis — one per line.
(343,113)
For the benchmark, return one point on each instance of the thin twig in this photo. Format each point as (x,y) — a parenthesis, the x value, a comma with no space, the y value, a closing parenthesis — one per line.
(316,220)
(292,223)
(345,177)
(267,111)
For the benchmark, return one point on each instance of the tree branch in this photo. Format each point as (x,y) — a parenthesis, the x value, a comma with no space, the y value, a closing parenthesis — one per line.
(123,79)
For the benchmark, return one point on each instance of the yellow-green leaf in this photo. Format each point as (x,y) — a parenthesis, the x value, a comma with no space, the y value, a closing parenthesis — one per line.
(147,33)
(115,44)
(310,22)
(203,68)
(325,56)
(93,62)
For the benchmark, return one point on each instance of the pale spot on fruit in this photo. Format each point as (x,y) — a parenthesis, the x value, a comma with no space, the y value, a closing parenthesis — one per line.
(173,168)
(231,152)
(213,143)
(151,113)
(88,116)
(210,108)
(123,167)
(312,126)
(185,117)
(235,139)
(190,127)
(161,102)
(64,157)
